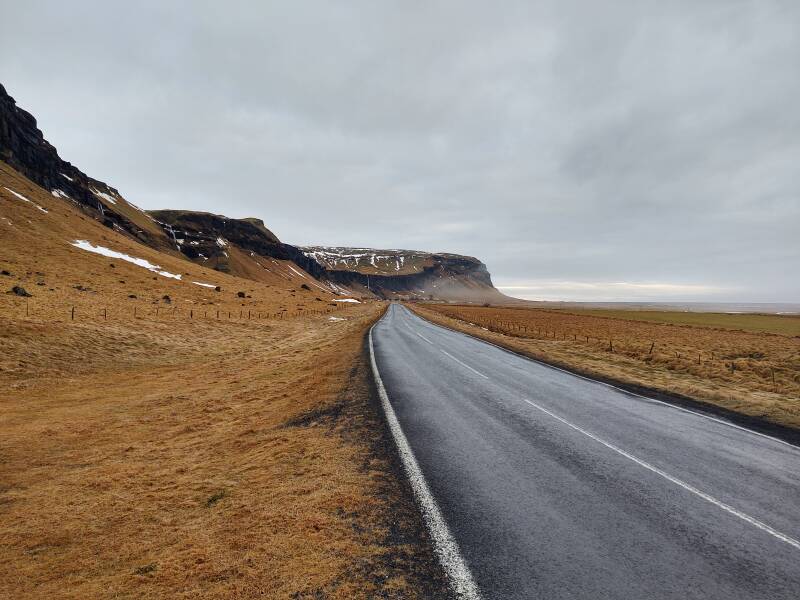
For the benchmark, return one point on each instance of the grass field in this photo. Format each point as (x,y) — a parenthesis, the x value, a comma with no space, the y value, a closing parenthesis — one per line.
(162,444)
(782,324)
(755,373)
(154,459)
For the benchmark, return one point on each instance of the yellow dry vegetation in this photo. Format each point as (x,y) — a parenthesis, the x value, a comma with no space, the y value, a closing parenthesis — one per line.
(181,455)
(788,324)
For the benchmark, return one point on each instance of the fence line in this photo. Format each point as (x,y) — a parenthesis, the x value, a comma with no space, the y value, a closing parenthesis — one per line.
(609,344)
(74,312)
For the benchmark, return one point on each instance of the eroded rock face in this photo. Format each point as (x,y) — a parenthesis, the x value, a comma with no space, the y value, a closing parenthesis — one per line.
(210,239)
(22,145)
(206,237)
(408,274)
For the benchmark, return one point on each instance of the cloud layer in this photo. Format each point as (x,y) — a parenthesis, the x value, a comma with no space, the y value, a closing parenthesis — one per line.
(643,142)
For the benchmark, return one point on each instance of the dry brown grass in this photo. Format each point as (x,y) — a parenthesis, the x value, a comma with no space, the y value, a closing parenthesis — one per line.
(728,368)
(36,249)
(157,457)
(222,460)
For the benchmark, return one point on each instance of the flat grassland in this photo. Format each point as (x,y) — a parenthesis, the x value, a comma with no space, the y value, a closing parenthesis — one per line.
(173,458)
(756,322)
(749,364)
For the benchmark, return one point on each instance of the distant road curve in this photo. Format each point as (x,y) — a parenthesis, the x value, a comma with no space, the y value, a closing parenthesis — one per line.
(548,485)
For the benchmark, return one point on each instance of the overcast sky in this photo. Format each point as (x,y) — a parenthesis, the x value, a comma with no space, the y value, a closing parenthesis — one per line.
(583,150)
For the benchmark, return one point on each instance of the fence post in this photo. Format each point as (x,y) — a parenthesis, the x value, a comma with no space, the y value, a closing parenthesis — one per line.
(105,314)
(72,317)
(191,314)
(652,344)
(26,307)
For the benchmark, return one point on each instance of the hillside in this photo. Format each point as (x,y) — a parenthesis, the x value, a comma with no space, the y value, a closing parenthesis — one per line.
(182,428)
(406,274)
(241,247)
(23,147)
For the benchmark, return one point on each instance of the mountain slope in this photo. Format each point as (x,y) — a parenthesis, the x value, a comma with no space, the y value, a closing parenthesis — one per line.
(175,430)
(23,147)
(159,443)
(242,247)
(239,247)
(65,258)
(251,252)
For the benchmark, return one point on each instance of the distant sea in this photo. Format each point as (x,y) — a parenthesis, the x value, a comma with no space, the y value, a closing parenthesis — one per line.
(773,308)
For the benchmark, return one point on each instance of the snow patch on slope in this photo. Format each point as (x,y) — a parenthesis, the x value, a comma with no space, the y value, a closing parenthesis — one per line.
(24,199)
(104,196)
(296,271)
(139,262)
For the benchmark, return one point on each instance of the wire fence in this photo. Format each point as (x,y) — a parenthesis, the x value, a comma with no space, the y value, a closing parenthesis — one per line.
(772,373)
(98,312)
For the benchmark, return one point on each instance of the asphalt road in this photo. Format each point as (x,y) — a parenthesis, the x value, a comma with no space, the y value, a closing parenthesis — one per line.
(554,486)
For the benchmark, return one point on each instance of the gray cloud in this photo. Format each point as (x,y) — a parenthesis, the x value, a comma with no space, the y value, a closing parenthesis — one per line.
(581,149)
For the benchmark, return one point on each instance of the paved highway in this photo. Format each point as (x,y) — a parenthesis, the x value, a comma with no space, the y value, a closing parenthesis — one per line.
(555,486)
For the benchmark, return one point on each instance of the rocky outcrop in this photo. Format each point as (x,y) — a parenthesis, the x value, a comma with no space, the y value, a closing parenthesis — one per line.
(206,237)
(22,145)
(406,274)
(235,245)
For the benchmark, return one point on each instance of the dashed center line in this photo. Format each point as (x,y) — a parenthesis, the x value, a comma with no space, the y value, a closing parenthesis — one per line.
(707,497)
(653,469)
(463,364)
(424,338)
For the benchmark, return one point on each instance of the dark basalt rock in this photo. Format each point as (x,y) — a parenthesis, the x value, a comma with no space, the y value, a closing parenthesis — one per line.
(207,238)
(18,290)
(200,233)
(22,145)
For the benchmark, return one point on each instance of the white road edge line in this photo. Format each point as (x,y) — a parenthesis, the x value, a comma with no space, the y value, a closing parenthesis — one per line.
(463,364)
(445,545)
(727,508)
(612,386)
